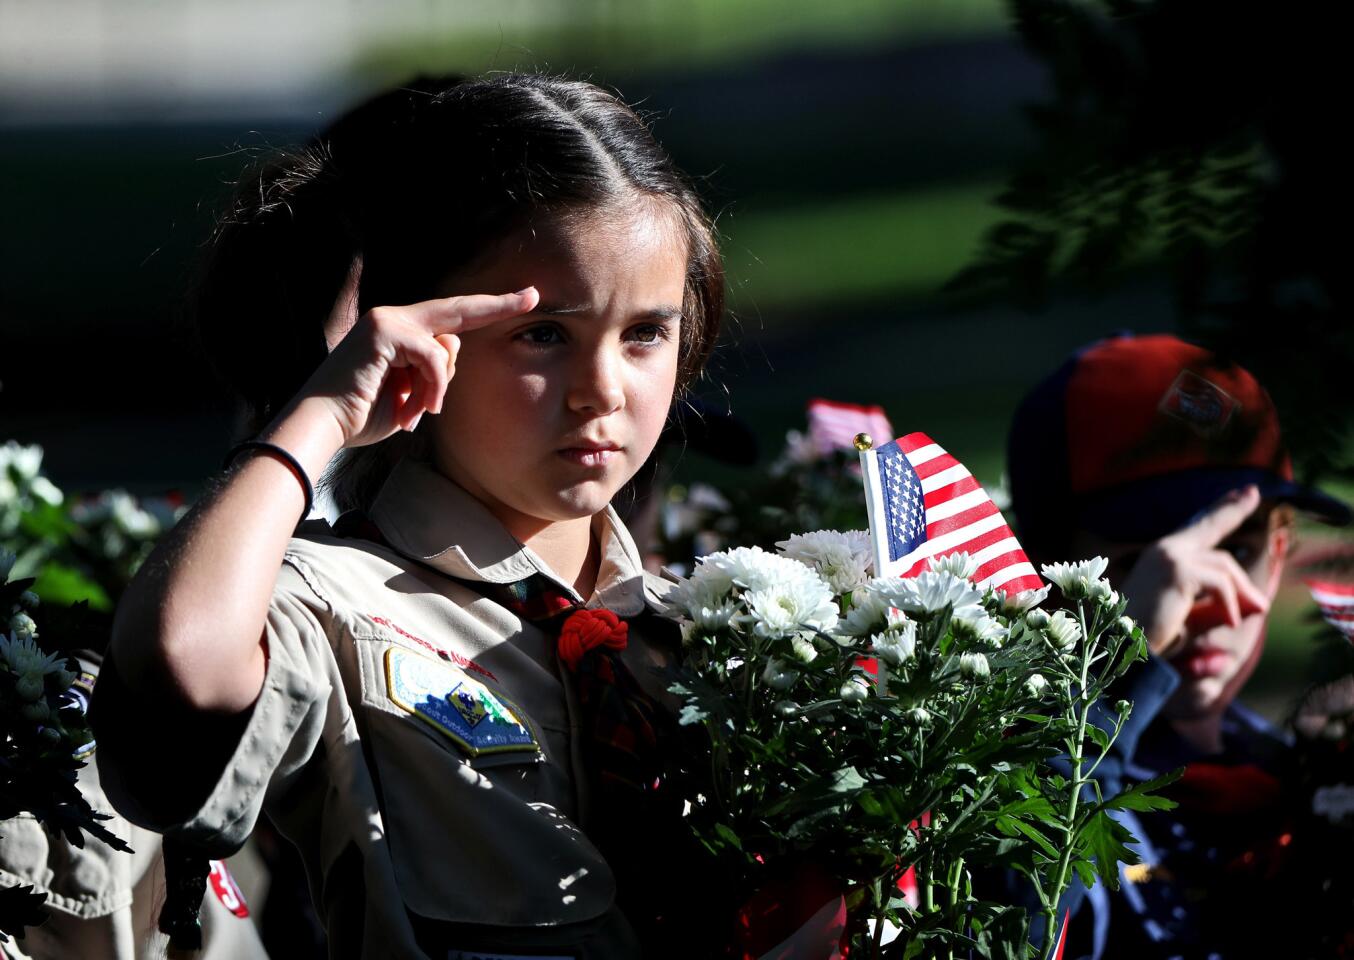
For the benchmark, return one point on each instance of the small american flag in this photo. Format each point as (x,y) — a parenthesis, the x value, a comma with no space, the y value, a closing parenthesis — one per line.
(1336,601)
(833,426)
(924,504)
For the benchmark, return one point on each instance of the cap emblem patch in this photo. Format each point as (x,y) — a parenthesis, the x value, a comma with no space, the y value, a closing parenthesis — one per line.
(1200,404)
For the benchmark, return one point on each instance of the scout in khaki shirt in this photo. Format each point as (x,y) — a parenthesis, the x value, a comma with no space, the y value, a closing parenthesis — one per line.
(387,688)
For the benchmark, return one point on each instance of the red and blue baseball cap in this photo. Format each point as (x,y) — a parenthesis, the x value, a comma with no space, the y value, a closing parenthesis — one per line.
(1134,437)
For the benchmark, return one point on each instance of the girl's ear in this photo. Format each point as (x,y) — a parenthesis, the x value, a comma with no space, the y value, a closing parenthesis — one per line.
(1280,542)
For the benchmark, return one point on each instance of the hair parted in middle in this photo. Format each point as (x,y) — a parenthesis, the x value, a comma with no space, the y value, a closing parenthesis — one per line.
(411,187)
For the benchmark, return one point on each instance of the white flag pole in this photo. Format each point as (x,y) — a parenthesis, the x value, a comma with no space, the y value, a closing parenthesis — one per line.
(874,506)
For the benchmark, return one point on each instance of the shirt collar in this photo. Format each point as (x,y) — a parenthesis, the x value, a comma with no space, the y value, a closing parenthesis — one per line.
(428,518)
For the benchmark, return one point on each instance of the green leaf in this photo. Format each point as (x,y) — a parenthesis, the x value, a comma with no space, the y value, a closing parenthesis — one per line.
(726,834)
(61,584)
(1105,840)
(1007,824)
(1142,797)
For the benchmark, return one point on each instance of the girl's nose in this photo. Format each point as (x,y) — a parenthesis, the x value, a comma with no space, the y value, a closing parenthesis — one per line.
(598,385)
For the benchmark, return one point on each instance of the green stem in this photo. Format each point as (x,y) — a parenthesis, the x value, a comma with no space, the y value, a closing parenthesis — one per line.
(1078,780)
(953,880)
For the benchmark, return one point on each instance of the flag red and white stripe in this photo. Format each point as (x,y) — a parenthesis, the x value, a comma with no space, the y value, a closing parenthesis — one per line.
(1336,601)
(833,425)
(924,504)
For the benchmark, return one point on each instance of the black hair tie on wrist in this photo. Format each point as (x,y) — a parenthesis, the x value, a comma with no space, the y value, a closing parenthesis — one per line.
(285,457)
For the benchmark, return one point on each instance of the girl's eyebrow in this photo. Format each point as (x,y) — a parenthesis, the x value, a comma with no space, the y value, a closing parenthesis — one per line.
(662,312)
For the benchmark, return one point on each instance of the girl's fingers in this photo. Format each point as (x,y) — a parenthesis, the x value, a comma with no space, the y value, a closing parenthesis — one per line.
(462,314)
(452,344)
(1250,597)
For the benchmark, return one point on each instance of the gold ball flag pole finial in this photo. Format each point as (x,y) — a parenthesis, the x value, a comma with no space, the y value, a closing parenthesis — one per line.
(864,441)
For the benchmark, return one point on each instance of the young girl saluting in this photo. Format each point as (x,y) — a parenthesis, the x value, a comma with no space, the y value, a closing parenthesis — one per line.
(390,690)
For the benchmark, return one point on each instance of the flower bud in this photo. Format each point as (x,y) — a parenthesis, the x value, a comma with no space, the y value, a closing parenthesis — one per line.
(1036,619)
(1035,684)
(785,708)
(974,666)
(1063,631)
(918,715)
(28,600)
(778,676)
(23,626)
(1127,625)
(1123,707)
(51,734)
(854,690)
(803,650)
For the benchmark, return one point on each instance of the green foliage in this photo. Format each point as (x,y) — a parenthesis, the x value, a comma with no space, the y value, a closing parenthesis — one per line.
(1165,141)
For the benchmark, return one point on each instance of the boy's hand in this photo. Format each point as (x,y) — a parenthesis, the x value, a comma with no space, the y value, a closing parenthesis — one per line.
(1185,569)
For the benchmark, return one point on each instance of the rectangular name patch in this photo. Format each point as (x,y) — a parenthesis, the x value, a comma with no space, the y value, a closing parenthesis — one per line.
(456,705)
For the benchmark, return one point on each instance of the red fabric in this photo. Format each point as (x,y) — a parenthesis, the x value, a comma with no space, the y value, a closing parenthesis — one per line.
(783,907)
(1222,788)
(587,630)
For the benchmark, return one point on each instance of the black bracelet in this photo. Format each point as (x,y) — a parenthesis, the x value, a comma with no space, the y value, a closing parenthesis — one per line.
(282,455)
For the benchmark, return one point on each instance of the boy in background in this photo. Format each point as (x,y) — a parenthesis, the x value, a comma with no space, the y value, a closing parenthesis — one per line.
(1169,461)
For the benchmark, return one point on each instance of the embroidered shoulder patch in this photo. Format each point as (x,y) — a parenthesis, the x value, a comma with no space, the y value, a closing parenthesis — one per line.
(456,705)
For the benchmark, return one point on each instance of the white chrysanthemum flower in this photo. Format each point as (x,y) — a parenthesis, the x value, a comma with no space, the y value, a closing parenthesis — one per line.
(24,462)
(1075,579)
(1036,618)
(1035,684)
(1127,624)
(870,608)
(975,623)
(974,666)
(799,450)
(46,491)
(842,558)
(782,609)
(896,647)
(753,568)
(1063,631)
(803,650)
(958,564)
(698,592)
(1014,605)
(930,592)
(854,690)
(25,658)
(919,715)
(129,517)
(778,676)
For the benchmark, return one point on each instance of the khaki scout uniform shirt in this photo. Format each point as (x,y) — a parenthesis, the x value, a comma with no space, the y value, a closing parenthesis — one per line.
(104,904)
(417,741)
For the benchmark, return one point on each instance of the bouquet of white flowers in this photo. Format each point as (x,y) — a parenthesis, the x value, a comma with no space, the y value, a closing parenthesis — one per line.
(916,736)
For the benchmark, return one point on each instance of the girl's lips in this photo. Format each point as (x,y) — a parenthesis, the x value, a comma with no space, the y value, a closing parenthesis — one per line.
(589,456)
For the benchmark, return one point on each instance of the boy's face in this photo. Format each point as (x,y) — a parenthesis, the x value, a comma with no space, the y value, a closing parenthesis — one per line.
(550,413)
(1214,658)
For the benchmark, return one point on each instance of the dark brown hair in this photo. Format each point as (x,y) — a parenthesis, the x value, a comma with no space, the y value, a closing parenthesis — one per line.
(415,185)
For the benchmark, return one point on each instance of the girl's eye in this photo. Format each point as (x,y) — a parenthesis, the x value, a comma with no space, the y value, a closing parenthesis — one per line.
(542,335)
(649,333)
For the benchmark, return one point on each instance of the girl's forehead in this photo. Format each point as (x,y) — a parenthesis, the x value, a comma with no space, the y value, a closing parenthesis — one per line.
(637,253)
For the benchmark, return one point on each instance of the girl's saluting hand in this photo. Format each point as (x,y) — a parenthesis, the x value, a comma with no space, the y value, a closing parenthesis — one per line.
(395,363)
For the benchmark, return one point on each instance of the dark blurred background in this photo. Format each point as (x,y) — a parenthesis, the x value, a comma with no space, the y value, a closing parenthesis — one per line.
(853,152)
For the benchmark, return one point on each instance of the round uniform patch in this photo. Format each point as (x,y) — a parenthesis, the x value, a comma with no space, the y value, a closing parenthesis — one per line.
(456,705)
